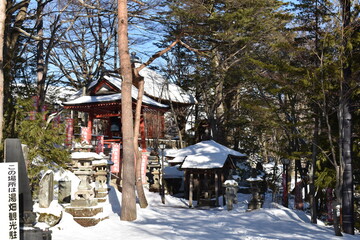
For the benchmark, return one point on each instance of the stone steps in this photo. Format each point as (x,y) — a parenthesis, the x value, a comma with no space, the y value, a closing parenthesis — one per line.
(86,216)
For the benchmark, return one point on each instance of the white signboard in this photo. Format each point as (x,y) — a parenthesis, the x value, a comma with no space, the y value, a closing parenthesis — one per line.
(9,201)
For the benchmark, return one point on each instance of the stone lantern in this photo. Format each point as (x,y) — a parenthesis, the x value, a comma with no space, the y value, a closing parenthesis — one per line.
(256,202)
(85,194)
(231,187)
(85,208)
(101,168)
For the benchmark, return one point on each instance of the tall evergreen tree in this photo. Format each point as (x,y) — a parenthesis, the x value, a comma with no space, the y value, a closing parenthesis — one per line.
(224,34)
(311,15)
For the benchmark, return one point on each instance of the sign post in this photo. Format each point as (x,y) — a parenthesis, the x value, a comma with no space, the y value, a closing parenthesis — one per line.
(9,201)
(115,157)
(144,162)
(69,131)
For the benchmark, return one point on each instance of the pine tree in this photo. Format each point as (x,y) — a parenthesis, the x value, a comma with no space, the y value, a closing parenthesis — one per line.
(45,142)
(223,34)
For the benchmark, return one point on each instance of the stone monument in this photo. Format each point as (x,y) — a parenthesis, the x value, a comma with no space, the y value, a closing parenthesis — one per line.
(64,194)
(46,190)
(14,153)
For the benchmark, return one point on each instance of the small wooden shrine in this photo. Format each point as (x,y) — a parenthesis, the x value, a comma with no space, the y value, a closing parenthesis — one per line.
(207,166)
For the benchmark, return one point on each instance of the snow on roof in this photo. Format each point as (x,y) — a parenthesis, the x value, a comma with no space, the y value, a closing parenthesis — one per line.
(114,79)
(208,161)
(204,155)
(134,92)
(157,86)
(94,99)
(178,159)
(111,98)
(251,179)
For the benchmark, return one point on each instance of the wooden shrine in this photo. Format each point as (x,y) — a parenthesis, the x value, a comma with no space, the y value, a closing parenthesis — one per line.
(207,165)
(101,102)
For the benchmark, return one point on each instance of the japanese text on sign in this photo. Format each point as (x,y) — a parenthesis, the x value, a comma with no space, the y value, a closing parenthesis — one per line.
(115,157)
(9,202)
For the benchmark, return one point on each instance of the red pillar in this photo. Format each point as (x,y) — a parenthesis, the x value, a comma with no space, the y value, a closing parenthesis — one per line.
(142,134)
(89,127)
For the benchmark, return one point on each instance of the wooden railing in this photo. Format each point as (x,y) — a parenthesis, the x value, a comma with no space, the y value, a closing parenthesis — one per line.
(154,143)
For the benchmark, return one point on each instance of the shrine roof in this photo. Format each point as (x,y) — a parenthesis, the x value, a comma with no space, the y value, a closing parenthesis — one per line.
(83,100)
(204,155)
(155,86)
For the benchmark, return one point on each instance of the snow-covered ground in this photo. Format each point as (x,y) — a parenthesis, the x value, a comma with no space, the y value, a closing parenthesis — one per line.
(174,220)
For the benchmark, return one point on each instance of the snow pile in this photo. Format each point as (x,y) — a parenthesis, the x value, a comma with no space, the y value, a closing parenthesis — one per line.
(54,209)
(174,220)
(86,155)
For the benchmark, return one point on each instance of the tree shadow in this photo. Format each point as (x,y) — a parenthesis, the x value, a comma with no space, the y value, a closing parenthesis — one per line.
(114,201)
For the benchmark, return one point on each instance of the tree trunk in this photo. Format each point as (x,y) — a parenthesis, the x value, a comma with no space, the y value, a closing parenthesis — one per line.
(128,207)
(347,190)
(2,32)
(40,56)
(313,202)
(181,144)
(337,201)
(139,185)
(345,121)
(10,50)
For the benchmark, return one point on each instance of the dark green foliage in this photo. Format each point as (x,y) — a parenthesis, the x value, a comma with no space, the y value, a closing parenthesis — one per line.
(44,141)
(229,39)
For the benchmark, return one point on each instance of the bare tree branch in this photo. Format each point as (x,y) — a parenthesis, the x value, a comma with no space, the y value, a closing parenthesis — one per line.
(16,7)
(198,51)
(156,55)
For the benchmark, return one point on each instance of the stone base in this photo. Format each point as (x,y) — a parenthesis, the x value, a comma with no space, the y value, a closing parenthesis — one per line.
(102,189)
(49,219)
(101,200)
(35,234)
(88,222)
(101,194)
(83,211)
(86,216)
(154,187)
(83,203)
(254,204)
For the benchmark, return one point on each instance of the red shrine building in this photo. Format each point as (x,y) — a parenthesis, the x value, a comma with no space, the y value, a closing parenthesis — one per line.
(101,103)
